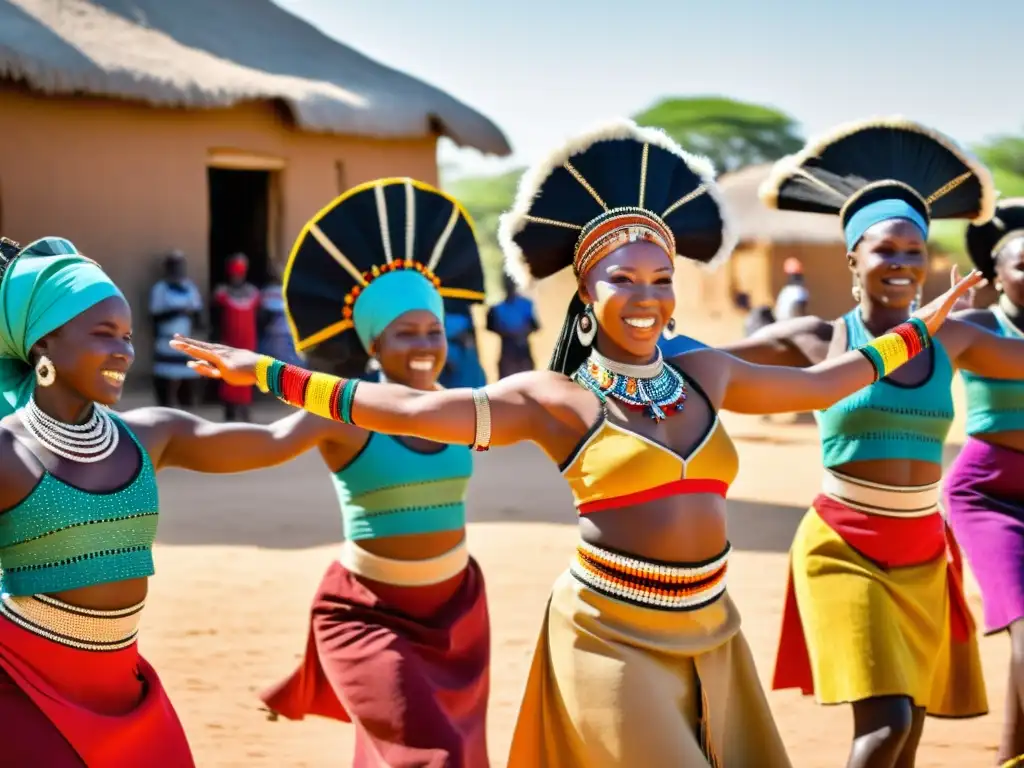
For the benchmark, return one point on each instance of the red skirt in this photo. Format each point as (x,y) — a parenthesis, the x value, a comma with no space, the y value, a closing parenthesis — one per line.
(407,666)
(62,706)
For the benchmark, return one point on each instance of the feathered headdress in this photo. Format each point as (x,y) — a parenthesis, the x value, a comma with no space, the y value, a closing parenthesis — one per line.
(379,250)
(985,241)
(874,170)
(608,186)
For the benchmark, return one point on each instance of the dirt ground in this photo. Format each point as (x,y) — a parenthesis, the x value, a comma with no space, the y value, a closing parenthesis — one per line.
(239,557)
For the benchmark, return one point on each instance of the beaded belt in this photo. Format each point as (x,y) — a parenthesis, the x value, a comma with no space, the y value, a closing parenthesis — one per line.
(70,625)
(879,499)
(664,586)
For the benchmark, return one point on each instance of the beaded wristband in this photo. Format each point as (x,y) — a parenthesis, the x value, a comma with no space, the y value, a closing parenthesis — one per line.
(263,363)
(896,348)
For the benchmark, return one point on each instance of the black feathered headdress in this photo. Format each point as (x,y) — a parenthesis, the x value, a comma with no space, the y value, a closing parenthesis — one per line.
(871,170)
(605,187)
(372,254)
(985,241)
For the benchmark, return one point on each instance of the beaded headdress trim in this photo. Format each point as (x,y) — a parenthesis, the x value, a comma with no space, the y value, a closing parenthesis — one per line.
(615,228)
(363,279)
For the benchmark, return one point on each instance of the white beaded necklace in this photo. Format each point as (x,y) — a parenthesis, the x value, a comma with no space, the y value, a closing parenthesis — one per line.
(87,443)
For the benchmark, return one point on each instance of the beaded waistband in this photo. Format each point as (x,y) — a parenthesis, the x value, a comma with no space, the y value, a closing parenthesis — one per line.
(405,573)
(879,499)
(82,628)
(663,586)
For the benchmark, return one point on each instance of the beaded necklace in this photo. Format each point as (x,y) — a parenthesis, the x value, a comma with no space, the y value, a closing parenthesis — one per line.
(657,389)
(87,443)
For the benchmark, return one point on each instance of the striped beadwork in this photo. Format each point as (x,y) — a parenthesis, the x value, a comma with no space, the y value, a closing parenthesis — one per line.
(664,586)
(69,625)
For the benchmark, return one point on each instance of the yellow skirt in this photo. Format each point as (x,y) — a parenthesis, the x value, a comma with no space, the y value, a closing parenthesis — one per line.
(615,684)
(872,631)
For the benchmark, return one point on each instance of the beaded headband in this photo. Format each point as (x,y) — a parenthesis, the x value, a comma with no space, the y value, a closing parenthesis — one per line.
(615,228)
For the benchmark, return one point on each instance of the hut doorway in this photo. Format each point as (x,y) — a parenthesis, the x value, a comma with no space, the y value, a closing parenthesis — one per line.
(240,203)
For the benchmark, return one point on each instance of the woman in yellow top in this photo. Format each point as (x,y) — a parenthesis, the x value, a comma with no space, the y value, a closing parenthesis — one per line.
(641,660)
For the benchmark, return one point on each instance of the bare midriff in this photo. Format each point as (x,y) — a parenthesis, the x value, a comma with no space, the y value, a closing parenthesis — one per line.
(106,597)
(1012,439)
(417,546)
(680,529)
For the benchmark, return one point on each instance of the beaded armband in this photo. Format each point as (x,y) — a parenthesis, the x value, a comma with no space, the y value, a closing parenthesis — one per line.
(482,405)
(319,393)
(893,349)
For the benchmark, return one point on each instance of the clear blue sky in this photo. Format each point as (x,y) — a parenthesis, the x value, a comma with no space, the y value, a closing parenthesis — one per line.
(544,69)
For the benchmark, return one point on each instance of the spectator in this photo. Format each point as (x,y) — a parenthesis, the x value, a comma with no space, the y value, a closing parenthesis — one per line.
(235,306)
(792,300)
(462,365)
(275,336)
(175,306)
(513,320)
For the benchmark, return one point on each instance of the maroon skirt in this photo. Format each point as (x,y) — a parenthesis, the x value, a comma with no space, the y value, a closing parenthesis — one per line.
(407,666)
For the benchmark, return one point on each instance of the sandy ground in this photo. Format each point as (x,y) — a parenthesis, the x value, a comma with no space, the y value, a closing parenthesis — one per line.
(239,557)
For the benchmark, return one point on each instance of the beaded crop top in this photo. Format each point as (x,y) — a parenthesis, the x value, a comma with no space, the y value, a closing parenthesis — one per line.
(995,405)
(390,489)
(61,537)
(613,467)
(888,420)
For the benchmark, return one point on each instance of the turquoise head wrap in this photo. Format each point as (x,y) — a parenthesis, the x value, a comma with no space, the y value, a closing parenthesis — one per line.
(876,213)
(389,297)
(48,284)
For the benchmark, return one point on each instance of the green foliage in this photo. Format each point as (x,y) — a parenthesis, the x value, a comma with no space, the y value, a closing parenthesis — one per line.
(1005,153)
(732,134)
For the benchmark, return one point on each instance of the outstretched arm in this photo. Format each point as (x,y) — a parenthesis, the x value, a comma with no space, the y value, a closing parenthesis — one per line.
(500,414)
(978,350)
(794,343)
(754,388)
(188,442)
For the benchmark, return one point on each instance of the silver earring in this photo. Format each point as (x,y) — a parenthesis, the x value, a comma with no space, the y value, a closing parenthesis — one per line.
(669,332)
(46,374)
(586,327)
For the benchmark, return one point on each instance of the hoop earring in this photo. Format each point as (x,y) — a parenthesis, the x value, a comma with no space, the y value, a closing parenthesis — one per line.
(669,331)
(46,374)
(586,327)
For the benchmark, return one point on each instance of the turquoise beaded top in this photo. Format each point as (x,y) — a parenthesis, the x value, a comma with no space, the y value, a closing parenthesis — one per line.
(888,420)
(61,537)
(390,489)
(995,405)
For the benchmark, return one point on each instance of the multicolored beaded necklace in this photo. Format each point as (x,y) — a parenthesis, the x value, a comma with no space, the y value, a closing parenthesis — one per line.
(657,389)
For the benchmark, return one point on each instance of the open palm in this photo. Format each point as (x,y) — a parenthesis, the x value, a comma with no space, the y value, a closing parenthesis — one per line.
(934,313)
(217,361)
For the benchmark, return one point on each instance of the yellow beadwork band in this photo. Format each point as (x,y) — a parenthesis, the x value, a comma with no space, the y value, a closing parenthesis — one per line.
(263,364)
(318,394)
(892,349)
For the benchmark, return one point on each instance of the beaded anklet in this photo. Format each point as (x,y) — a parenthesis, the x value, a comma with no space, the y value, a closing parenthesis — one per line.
(891,350)
(319,393)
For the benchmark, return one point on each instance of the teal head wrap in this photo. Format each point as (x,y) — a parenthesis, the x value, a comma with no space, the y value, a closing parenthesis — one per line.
(389,297)
(48,284)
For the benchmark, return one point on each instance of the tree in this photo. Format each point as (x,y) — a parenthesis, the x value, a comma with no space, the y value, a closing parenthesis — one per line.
(732,134)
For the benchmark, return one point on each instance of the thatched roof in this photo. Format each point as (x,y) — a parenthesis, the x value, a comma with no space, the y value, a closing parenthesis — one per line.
(757,222)
(216,53)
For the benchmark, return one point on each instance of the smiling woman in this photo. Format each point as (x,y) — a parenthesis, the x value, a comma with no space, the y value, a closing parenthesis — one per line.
(78,512)
(869,619)
(367,276)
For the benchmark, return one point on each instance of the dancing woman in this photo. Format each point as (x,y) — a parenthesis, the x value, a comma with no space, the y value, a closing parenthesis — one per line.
(78,515)
(399,640)
(984,496)
(875,615)
(640,660)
